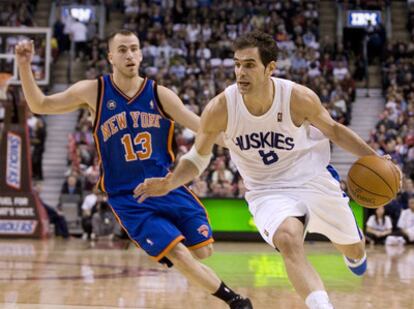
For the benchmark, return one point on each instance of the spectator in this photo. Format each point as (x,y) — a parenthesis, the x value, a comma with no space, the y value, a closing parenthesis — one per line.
(103,221)
(406,222)
(58,33)
(55,216)
(92,174)
(379,226)
(79,35)
(221,180)
(38,142)
(88,209)
(67,30)
(72,186)
(200,187)
(340,71)
(240,188)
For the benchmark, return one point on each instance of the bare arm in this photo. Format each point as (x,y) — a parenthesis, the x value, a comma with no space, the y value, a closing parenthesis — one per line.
(372,231)
(305,105)
(83,93)
(205,139)
(213,123)
(174,107)
(386,232)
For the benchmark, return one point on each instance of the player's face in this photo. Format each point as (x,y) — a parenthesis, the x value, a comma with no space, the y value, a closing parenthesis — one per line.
(380,211)
(411,204)
(125,54)
(249,69)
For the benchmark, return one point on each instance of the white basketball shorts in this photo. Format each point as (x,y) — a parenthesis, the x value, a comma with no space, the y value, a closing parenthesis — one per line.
(321,200)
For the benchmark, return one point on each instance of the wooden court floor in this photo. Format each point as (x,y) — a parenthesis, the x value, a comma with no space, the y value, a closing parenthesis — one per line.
(72,274)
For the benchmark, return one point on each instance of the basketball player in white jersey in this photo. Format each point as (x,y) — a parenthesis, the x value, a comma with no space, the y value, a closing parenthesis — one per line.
(278,135)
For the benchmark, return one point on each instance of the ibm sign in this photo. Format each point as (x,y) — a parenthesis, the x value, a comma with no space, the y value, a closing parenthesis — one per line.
(361,19)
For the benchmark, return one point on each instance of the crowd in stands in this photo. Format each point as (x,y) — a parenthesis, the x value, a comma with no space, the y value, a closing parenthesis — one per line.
(18,13)
(21,14)
(83,35)
(364,4)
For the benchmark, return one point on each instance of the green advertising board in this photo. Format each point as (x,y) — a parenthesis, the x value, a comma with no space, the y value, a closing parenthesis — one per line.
(232,215)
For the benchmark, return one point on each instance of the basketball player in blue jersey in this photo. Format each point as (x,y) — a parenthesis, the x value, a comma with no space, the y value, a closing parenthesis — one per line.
(278,135)
(133,130)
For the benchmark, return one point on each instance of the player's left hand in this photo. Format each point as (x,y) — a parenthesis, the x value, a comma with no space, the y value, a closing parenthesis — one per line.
(152,187)
(388,157)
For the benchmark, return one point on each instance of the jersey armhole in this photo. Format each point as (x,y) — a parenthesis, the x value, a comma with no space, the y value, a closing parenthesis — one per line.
(230,114)
(98,103)
(158,102)
(287,97)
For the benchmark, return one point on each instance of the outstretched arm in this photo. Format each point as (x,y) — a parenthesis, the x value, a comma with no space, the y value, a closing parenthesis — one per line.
(213,123)
(306,106)
(80,94)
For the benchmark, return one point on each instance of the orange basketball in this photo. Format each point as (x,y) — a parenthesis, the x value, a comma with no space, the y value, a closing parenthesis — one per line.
(373,181)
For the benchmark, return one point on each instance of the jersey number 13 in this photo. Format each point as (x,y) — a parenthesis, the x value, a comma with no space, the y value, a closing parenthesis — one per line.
(143,139)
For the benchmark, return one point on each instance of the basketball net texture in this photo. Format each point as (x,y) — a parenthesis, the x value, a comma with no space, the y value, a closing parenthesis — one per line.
(4,84)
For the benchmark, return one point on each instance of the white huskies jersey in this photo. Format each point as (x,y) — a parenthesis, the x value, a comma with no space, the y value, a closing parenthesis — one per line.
(269,151)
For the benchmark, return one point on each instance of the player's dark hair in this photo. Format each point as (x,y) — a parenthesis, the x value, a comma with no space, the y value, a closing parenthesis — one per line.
(267,46)
(120,32)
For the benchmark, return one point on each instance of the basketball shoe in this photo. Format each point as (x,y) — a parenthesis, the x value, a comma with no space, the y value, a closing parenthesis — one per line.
(358,267)
(239,302)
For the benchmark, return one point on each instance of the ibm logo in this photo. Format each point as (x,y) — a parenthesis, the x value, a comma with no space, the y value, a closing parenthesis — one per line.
(361,19)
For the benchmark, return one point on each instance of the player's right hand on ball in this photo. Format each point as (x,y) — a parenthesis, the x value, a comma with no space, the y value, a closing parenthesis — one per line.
(24,51)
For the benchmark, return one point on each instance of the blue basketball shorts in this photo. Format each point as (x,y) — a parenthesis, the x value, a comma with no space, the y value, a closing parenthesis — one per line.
(159,223)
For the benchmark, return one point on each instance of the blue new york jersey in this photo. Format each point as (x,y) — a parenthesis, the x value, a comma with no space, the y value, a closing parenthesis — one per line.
(134,142)
(133,136)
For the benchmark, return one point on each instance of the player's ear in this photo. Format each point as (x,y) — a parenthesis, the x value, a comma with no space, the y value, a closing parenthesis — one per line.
(271,67)
(110,57)
(140,56)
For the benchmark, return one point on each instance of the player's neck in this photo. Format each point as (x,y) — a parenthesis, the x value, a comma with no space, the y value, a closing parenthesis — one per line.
(128,85)
(260,101)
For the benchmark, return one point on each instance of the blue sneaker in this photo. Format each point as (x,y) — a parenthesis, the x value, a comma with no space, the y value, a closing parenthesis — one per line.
(358,267)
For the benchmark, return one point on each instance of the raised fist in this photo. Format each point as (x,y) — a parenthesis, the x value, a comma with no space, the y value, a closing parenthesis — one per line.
(24,52)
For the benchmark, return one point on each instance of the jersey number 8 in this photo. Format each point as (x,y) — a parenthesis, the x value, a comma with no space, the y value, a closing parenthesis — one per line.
(269,157)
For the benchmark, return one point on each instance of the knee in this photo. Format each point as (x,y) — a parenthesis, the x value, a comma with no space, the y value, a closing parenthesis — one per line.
(179,254)
(288,242)
(203,253)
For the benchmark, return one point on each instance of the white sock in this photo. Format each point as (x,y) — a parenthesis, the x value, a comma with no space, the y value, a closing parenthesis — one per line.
(354,262)
(318,300)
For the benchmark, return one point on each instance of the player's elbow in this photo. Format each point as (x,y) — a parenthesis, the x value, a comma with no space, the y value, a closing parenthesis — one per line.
(335,132)
(36,106)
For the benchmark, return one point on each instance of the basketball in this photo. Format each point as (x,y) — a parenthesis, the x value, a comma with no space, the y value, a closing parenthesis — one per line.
(373,181)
